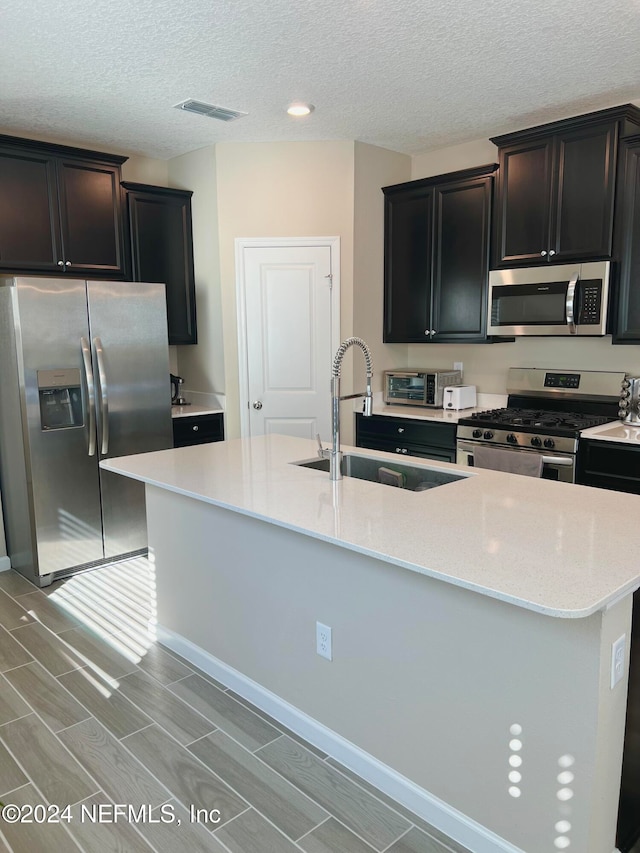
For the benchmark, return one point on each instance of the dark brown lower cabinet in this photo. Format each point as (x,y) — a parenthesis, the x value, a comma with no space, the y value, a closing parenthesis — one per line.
(161,249)
(608,465)
(407,436)
(198,429)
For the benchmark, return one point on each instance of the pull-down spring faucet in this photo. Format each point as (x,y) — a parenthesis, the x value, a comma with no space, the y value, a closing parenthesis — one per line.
(335,454)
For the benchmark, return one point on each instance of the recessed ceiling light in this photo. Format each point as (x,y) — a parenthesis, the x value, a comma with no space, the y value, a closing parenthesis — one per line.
(300,109)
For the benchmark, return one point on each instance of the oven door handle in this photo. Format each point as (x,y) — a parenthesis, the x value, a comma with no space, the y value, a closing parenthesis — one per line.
(557,460)
(571,303)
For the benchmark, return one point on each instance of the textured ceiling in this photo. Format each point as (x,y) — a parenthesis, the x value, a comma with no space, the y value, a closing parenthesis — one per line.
(409,75)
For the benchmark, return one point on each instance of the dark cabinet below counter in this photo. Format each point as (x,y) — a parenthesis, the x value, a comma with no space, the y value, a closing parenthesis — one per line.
(407,436)
(608,465)
(198,429)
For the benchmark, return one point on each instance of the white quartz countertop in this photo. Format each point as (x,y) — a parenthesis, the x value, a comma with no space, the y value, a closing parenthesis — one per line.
(191,410)
(422,413)
(545,546)
(614,431)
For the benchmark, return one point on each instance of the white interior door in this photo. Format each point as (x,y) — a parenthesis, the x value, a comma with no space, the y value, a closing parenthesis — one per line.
(286,338)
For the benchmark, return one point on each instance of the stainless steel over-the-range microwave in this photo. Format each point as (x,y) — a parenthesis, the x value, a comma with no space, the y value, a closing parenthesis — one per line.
(558,299)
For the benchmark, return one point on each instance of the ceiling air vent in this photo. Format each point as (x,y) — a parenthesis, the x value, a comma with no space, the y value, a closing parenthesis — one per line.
(202,109)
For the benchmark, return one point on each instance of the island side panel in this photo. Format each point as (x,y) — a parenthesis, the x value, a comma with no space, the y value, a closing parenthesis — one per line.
(427,677)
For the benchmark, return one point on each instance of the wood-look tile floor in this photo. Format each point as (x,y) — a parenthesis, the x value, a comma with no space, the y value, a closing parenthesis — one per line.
(95,715)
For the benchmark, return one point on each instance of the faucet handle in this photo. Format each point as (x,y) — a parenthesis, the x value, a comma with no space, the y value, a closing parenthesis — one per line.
(323,452)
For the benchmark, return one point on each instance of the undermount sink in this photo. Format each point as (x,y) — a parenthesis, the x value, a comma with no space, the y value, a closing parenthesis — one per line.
(411,477)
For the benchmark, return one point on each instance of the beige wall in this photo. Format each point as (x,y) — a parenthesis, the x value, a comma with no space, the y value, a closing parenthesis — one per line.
(202,366)
(374,168)
(449,671)
(442,160)
(297,189)
(146,170)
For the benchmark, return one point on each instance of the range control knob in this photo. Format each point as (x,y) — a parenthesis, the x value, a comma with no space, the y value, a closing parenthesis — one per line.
(536,442)
(477,433)
(549,442)
(488,434)
(512,439)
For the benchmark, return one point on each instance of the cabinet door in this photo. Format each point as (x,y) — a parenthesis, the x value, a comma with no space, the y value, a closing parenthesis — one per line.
(91,220)
(608,465)
(461,252)
(29,229)
(162,250)
(626,297)
(523,203)
(582,218)
(407,265)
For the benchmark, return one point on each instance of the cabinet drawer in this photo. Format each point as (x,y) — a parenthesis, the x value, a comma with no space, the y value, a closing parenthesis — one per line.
(404,431)
(607,465)
(198,429)
(424,451)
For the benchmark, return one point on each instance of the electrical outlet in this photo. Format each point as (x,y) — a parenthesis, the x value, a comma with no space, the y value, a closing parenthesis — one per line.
(617,659)
(457,365)
(323,641)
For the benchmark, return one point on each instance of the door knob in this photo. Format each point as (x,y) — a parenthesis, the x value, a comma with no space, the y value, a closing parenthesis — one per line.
(257,404)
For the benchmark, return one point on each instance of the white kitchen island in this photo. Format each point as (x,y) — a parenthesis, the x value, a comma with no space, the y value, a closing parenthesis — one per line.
(472,627)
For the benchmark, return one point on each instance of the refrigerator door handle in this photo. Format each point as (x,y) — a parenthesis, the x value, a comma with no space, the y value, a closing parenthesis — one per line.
(91,394)
(104,396)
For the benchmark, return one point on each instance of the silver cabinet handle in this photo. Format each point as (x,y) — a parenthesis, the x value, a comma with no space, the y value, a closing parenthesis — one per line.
(91,394)
(257,405)
(195,427)
(570,303)
(552,252)
(104,395)
(427,331)
(400,429)
(67,263)
(60,263)
(543,252)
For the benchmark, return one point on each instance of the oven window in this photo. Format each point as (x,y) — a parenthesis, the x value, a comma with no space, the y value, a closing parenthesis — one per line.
(529,304)
(406,387)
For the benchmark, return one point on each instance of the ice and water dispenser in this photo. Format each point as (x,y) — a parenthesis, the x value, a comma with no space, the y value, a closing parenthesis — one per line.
(60,396)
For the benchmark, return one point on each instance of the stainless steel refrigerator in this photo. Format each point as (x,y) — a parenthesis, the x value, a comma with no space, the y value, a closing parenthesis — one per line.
(84,376)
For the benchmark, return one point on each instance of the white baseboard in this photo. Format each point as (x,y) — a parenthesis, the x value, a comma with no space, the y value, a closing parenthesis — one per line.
(5,564)
(439,814)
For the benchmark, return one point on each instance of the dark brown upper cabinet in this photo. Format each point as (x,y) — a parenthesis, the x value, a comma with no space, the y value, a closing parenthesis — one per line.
(556,189)
(437,237)
(60,210)
(161,246)
(626,296)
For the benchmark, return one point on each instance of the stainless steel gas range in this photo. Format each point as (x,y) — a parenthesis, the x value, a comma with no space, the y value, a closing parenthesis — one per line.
(546,412)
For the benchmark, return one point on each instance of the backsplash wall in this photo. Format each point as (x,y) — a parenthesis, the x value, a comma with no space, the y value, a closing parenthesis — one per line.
(486,365)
